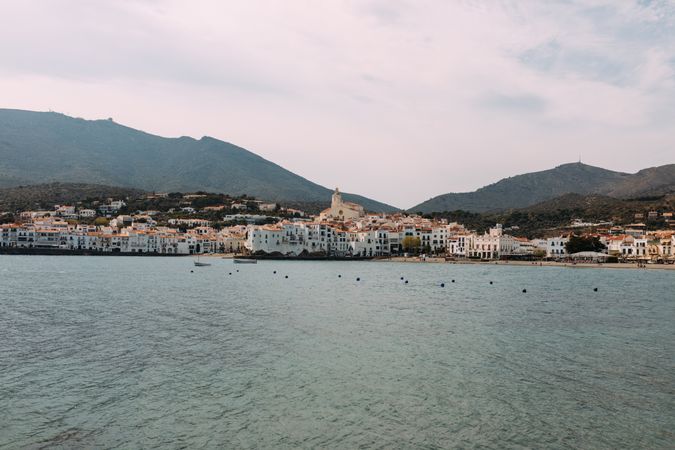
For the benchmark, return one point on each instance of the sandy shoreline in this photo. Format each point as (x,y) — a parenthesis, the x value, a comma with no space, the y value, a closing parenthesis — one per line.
(414,260)
(402,259)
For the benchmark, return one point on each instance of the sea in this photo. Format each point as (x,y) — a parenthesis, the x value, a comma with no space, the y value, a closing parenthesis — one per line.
(145,352)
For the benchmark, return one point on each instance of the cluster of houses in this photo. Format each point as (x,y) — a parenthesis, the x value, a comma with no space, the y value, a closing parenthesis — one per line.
(381,236)
(69,212)
(137,238)
(137,234)
(343,230)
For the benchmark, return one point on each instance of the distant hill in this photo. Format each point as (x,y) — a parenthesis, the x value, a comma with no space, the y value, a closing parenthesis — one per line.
(528,189)
(553,217)
(50,194)
(647,182)
(39,147)
(597,205)
(601,207)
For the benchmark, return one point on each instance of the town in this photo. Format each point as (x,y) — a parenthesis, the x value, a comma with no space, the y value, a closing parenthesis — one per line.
(344,230)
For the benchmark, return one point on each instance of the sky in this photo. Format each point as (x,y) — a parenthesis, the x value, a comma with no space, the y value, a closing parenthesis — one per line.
(398,100)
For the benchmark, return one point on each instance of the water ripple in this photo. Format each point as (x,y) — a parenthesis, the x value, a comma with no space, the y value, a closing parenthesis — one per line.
(141,353)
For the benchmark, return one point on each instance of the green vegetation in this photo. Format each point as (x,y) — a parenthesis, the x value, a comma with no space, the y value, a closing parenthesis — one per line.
(101,221)
(411,244)
(45,196)
(578,244)
(176,205)
(554,217)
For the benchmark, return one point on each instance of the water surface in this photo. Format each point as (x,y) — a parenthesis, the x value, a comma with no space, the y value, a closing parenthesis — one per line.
(121,352)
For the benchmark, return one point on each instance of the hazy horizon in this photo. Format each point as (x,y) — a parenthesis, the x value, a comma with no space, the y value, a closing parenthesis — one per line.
(395,100)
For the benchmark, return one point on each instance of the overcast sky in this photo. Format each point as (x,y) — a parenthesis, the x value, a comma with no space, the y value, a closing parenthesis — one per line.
(399,100)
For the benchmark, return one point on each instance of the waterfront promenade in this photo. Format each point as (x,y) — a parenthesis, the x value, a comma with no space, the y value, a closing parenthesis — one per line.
(631,265)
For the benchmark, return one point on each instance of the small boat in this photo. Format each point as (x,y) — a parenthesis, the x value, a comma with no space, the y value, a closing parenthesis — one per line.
(201,264)
(245,261)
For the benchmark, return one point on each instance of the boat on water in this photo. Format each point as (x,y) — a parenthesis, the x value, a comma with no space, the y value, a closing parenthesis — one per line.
(201,264)
(245,261)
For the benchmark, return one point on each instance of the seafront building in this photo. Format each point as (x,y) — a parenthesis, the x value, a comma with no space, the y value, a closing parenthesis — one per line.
(136,238)
(342,230)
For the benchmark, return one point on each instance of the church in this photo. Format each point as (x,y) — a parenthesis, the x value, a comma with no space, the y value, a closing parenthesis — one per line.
(341,210)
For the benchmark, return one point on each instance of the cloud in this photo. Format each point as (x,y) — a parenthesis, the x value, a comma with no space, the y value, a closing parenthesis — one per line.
(524,103)
(395,99)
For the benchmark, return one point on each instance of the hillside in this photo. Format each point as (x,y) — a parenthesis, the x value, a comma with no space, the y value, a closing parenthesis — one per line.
(39,147)
(553,217)
(529,189)
(647,182)
(50,194)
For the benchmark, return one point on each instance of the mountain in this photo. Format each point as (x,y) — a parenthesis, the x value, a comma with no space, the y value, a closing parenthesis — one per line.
(41,147)
(647,182)
(531,188)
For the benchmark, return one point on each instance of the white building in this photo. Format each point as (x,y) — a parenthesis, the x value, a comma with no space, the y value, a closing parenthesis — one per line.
(190,222)
(491,245)
(267,207)
(112,207)
(86,213)
(555,247)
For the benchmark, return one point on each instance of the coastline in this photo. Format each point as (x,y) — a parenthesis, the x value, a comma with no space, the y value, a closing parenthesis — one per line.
(416,260)
(395,259)
(65,252)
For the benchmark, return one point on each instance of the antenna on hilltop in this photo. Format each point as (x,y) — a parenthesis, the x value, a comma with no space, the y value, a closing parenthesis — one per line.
(579,158)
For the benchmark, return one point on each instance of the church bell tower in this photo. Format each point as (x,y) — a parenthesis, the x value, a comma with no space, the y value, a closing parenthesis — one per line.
(337,198)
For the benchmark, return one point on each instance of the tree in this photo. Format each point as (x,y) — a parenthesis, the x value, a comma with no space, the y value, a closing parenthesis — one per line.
(101,221)
(411,243)
(578,244)
(539,253)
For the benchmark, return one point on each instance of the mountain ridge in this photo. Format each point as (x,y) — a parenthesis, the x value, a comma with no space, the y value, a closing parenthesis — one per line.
(40,147)
(528,189)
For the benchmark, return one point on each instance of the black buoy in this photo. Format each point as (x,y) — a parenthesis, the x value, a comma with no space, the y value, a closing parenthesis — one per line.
(274,271)
(237,270)
(286,276)
(230,273)
(524,291)
(490,282)
(442,284)
(339,276)
(453,281)
(406,281)
(192,271)
(401,278)
(358,279)
(595,289)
